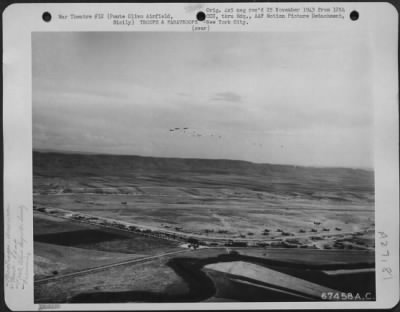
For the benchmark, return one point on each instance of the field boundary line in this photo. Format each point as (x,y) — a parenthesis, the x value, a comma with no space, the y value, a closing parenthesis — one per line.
(108,266)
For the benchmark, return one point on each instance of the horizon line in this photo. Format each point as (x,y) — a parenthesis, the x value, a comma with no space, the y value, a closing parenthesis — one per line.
(44,150)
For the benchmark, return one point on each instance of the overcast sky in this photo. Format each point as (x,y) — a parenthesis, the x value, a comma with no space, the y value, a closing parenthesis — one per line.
(288,98)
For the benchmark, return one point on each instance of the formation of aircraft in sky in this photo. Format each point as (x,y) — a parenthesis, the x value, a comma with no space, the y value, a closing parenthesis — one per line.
(196,133)
(192,132)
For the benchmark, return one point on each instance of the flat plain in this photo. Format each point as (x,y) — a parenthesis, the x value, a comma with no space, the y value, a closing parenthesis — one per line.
(296,221)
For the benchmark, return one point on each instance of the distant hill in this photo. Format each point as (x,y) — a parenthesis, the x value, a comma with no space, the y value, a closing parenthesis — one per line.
(87,161)
(66,164)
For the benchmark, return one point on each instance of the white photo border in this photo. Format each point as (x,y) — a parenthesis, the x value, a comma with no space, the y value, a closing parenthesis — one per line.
(379,19)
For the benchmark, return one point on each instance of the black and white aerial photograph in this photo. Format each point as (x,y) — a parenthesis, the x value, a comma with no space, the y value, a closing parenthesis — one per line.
(174,167)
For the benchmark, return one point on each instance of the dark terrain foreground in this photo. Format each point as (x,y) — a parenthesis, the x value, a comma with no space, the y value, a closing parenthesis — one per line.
(206,284)
(303,232)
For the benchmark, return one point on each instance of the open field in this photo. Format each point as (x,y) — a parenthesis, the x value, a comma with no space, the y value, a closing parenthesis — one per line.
(63,247)
(188,277)
(86,205)
(55,259)
(312,257)
(262,275)
(151,276)
(216,198)
(63,233)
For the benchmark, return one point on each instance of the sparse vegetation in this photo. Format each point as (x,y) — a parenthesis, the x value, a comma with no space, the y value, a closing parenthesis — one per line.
(218,199)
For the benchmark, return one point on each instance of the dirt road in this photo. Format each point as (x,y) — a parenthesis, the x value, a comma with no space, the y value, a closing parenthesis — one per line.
(108,266)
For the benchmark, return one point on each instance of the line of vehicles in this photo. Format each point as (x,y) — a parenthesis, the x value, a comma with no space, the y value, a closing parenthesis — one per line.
(190,239)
